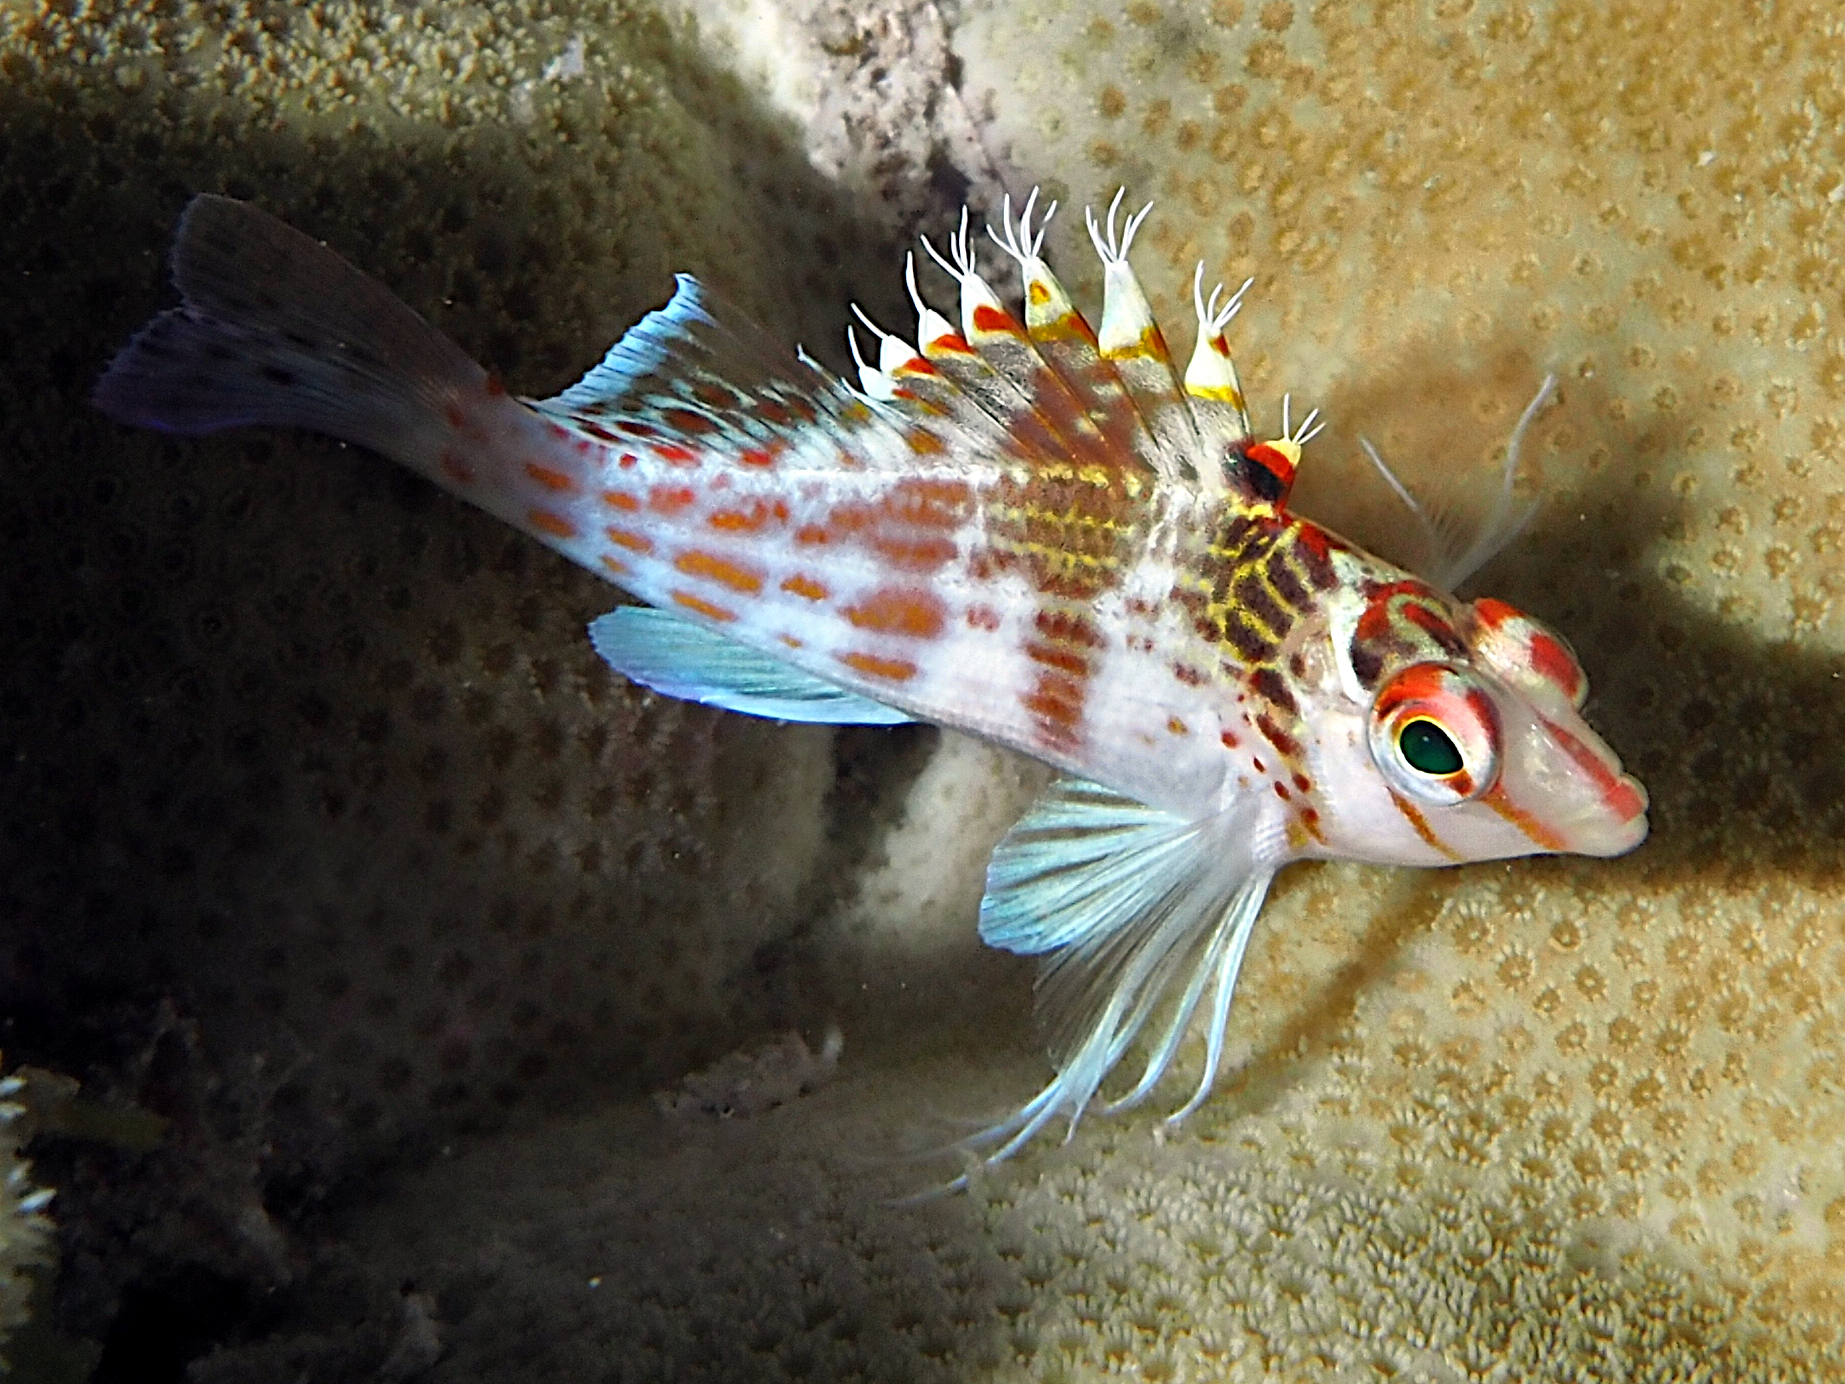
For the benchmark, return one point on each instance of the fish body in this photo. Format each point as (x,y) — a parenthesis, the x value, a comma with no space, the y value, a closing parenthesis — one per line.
(1035,532)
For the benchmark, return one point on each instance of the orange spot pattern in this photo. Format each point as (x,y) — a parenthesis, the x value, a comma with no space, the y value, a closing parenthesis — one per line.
(627,538)
(891,669)
(699,605)
(697,563)
(911,612)
(544,521)
(670,499)
(757,517)
(550,479)
(805,587)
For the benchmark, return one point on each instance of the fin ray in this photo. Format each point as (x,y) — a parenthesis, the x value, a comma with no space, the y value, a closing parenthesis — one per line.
(1453,548)
(275,328)
(677,658)
(1122,899)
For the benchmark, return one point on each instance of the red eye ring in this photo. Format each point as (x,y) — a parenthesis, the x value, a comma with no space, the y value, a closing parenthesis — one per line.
(1433,733)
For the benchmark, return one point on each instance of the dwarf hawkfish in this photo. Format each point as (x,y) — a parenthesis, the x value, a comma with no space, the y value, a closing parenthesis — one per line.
(1034,532)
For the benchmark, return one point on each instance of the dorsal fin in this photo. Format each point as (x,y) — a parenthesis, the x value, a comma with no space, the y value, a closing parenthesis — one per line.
(700,375)
(1015,369)
(1068,344)
(1211,385)
(1131,341)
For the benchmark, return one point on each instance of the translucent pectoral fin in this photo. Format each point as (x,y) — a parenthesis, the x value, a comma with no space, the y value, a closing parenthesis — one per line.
(1124,901)
(677,658)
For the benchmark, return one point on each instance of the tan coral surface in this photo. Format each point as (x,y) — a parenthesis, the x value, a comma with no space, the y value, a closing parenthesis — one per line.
(1558,1119)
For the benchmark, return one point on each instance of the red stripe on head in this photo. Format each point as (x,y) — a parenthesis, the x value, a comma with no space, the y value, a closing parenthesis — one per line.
(1618,794)
(1554,663)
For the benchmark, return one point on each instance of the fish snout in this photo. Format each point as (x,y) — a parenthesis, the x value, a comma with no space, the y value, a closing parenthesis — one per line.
(1610,818)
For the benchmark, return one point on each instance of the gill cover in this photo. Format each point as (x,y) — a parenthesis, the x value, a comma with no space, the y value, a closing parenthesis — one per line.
(1433,733)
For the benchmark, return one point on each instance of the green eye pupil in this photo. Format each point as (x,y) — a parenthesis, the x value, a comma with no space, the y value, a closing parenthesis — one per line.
(1428,749)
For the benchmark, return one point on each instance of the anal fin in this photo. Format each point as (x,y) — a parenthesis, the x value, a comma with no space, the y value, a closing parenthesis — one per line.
(677,658)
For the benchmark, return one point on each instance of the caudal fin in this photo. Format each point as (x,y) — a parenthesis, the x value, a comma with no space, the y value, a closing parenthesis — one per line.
(276,329)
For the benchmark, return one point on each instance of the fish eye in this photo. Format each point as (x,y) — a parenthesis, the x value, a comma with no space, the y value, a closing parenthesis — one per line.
(1433,733)
(1428,749)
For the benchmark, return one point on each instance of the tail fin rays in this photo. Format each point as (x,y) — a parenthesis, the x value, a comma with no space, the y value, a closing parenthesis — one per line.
(276,329)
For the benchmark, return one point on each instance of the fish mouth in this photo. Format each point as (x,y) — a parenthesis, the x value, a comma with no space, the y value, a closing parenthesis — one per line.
(1621,798)
(1620,825)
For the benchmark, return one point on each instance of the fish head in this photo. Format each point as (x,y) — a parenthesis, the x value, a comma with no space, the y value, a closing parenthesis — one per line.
(1464,740)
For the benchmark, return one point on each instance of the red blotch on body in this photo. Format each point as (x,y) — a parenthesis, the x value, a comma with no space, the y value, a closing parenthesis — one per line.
(1056,704)
(1493,612)
(737,577)
(1063,659)
(805,587)
(699,605)
(918,555)
(890,669)
(1554,663)
(671,499)
(616,566)
(556,525)
(456,469)
(909,611)
(597,431)
(550,478)
(1276,736)
(689,421)
(633,542)
(675,455)
(622,500)
(982,617)
(1071,627)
